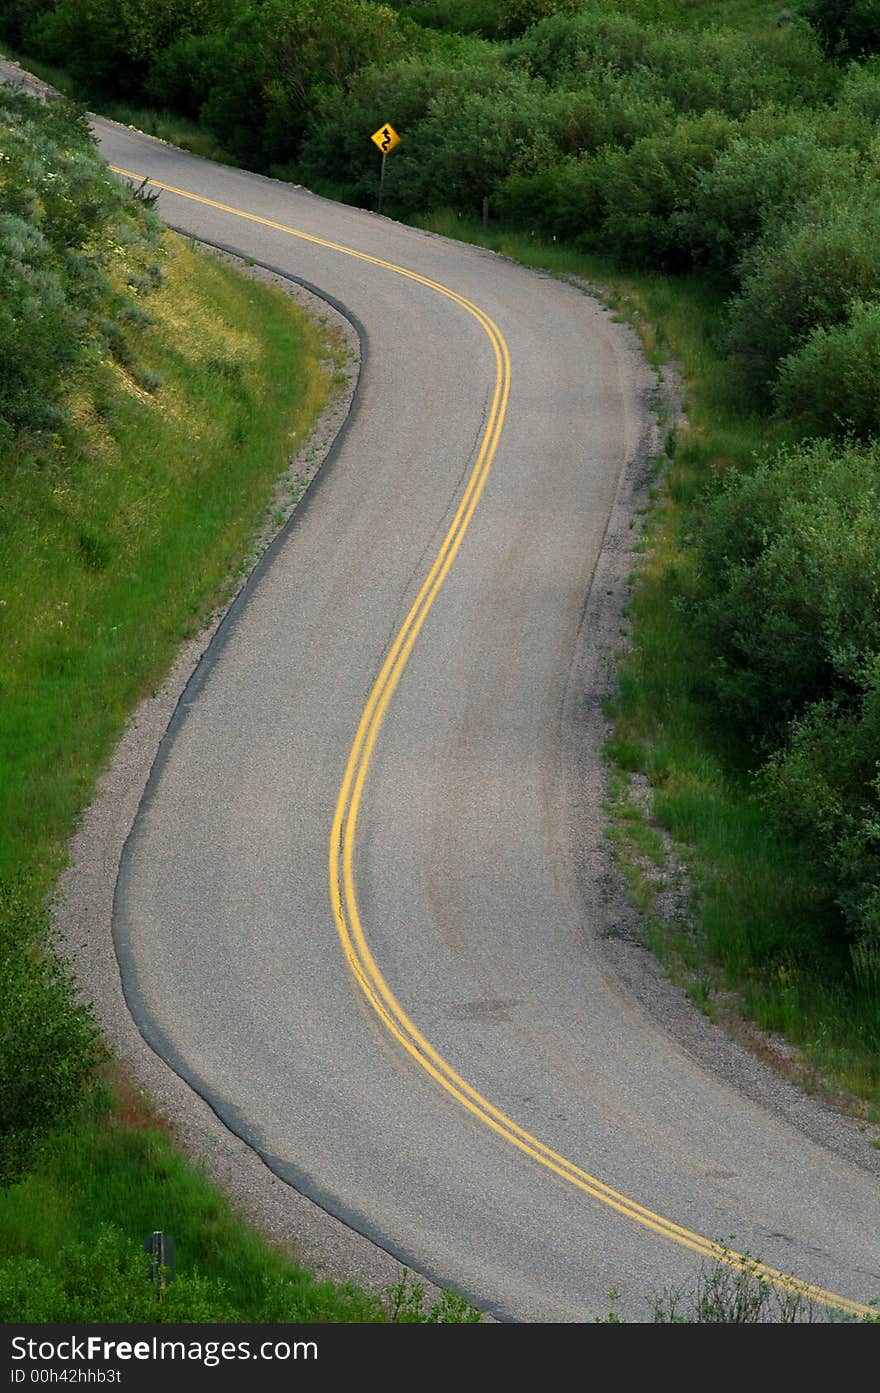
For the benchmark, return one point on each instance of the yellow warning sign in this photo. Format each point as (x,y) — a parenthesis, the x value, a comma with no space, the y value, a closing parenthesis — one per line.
(386,138)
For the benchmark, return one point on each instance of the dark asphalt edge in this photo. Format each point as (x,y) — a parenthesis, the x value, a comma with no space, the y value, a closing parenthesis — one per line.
(153,1036)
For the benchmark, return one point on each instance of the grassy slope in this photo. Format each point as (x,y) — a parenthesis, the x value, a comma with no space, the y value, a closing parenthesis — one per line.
(120,539)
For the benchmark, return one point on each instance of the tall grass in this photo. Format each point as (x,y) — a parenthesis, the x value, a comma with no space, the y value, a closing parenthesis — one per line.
(73,1230)
(120,537)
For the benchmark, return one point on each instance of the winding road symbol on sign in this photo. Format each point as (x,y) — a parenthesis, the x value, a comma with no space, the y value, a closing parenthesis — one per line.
(386,138)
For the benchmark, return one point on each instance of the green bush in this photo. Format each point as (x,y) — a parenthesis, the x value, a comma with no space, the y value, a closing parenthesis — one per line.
(859,91)
(276,60)
(645,187)
(608,108)
(734,72)
(56,198)
(795,281)
(62,215)
(183,76)
(824,789)
(622,108)
(563,49)
(18,17)
(465,127)
(37,331)
(109,45)
(51,174)
(755,186)
(49,1042)
(789,560)
(697,71)
(564,199)
(232,97)
(315,43)
(846,28)
(493,19)
(471,139)
(831,385)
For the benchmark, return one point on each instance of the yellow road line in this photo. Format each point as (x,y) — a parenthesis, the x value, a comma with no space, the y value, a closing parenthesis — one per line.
(342,838)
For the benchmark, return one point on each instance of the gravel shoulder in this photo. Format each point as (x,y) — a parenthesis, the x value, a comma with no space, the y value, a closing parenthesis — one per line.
(88,885)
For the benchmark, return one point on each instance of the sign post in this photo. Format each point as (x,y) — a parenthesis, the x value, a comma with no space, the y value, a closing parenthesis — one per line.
(160,1247)
(385,139)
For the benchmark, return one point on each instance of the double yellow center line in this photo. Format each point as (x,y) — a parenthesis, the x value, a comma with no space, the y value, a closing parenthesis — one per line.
(342,837)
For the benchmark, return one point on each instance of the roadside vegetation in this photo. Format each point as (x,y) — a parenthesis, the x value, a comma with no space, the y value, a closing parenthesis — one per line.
(719,165)
(715,168)
(150,399)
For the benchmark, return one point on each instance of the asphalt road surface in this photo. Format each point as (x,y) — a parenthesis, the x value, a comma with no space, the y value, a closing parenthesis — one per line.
(442,1058)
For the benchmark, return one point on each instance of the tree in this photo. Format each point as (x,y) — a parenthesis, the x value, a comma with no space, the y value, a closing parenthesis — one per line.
(846,28)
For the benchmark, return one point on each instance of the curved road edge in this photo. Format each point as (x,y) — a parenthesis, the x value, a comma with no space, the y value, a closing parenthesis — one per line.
(232,1162)
(88,888)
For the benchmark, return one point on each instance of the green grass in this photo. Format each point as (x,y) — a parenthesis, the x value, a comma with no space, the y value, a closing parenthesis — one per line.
(747,15)
(119,539)
(71,1239)
(761,941)
(166,125)
(109,1182)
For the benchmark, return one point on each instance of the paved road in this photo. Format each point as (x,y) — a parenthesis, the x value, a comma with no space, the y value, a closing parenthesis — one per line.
(472,835)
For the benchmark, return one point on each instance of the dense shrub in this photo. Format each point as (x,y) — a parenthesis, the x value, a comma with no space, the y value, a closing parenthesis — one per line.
(466,126)
(489,18)
(183,76)
(831,385)
(60,210)
(824,789)
(733,72)
(231,96)
(565,48)
(18,17)
(109,45)
(695,71)
(607,108)
(790,576)
(49,1043)
(806,277)
(335,146)
(645,187)
(469,140)
(315,43)
(274,61)
(859,91)
(493,19)
(754,186)
(37,330)
(846,28)
(566,199)
(621,109)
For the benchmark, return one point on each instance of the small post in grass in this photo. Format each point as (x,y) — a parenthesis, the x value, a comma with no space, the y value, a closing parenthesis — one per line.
(160,1247)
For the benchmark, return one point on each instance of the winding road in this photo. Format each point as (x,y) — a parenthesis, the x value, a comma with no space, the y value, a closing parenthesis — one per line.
(359,907)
